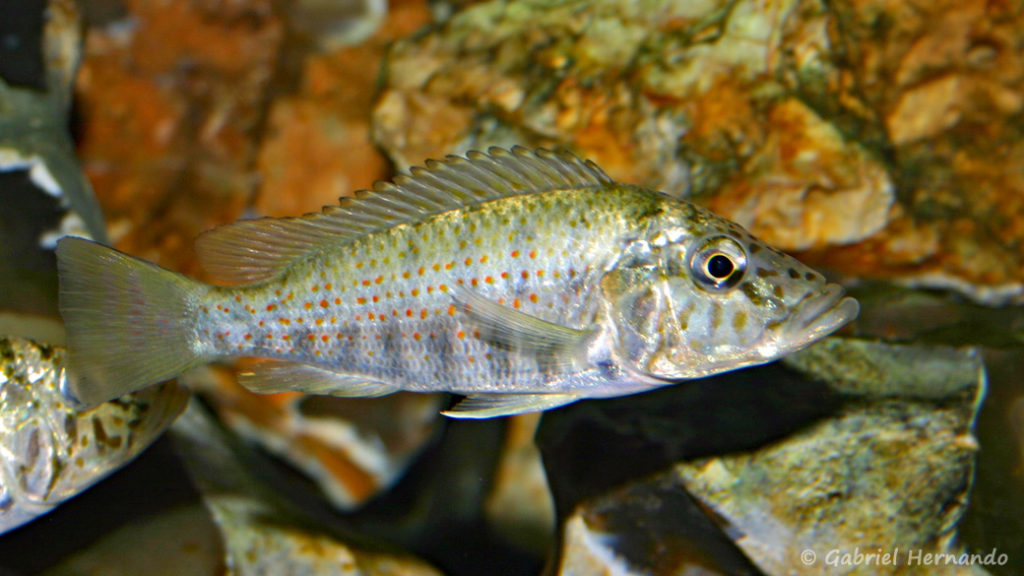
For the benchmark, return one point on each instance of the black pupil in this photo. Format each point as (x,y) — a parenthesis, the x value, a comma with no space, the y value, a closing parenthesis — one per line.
(720,266)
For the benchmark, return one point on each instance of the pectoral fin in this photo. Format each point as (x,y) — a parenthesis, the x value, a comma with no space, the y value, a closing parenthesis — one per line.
(277,376)
(517,330)
(479,406)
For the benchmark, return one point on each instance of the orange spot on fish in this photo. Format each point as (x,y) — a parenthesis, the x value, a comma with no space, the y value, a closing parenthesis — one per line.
(415,292)
(423,313)
(319,321)
(533,253)
(337,301)
(409,312)
(483,259)
(449,265)
(405,274)
(451,310)
(371,315)
(261,323)
(328,286)
(376,298)
(525,274)
(248,336)
(461,334)
(311,337)
(284,321)
(470,359)
(285,337)
(415,335)
(533,298)
(359,265)
(308,305)
(489,279)
(325,337)
(515,254)
(324,304)
(378,279)
(420,271)
(473,281)
(430,289)
(238,299)
(316,287)
(437,267)
(360,300)
(504,275)
(366,282)
(469,261)
(516,303)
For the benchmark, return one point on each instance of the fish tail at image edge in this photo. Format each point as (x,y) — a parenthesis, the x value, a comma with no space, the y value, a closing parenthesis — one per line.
(129,322)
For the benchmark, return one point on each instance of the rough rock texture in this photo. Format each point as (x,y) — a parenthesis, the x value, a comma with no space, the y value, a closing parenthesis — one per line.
(353,448)
(883,137)
(262,532)
(318,145)
(171,97)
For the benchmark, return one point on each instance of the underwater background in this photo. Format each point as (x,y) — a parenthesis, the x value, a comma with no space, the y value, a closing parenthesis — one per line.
(876,140)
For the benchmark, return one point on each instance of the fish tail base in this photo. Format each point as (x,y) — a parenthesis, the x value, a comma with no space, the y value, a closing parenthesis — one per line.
(130,323)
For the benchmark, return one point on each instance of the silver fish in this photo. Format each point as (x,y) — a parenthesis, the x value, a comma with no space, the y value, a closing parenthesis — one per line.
(523,279)
(49,451)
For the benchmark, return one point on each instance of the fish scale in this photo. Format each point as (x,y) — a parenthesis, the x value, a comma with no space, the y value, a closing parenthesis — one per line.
(523,279)
(384,306)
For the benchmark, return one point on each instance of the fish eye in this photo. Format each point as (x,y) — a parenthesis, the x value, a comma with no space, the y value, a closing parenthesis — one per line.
(719,263)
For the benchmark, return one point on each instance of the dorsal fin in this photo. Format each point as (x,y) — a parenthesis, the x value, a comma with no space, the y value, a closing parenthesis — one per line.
(257,250)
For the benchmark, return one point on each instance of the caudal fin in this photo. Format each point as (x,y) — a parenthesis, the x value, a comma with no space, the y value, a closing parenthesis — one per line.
(129,322)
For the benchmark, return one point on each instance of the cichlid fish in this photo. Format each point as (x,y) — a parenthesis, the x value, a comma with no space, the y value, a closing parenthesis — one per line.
(522,279)
(50,451)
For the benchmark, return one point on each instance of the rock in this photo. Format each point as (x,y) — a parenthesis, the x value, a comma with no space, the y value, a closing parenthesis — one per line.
(519,505)
(880,139)
(179,541)
(49,450)
(171,98)
(892,470)
(42,188)
(262,532)
(352,448)
(883,458)
(318,145)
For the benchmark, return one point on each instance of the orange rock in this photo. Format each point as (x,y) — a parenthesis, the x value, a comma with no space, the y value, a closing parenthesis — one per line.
(171,103)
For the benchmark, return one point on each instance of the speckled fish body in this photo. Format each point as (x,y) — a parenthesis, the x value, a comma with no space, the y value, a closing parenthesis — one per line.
(525,280)
(50,451)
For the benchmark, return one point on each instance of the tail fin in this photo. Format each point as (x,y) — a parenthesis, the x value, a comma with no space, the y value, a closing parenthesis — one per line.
(129,322)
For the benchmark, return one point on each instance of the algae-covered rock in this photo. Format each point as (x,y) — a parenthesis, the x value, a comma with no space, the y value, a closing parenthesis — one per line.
(883,137)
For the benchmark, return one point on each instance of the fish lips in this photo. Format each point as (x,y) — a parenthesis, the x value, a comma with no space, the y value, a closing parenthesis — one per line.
(817,316)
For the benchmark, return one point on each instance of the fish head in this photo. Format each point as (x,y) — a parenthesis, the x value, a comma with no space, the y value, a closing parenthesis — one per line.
(686,305)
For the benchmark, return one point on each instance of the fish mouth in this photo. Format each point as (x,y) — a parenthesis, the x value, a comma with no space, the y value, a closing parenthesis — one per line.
(819,315)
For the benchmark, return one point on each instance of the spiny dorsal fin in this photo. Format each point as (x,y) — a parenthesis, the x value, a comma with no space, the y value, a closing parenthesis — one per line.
(257,250)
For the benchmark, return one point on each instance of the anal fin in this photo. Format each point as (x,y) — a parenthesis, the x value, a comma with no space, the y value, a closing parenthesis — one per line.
(280,376)
(479,406)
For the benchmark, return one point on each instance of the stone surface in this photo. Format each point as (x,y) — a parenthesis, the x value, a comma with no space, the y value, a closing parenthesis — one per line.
(42,189)
(318,145)
(882,138)
(172,97)
(353,448)
(262,532)
(519,505)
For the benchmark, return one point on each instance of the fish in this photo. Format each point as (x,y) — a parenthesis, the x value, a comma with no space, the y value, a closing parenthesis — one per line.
(50,451)
(521,279)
